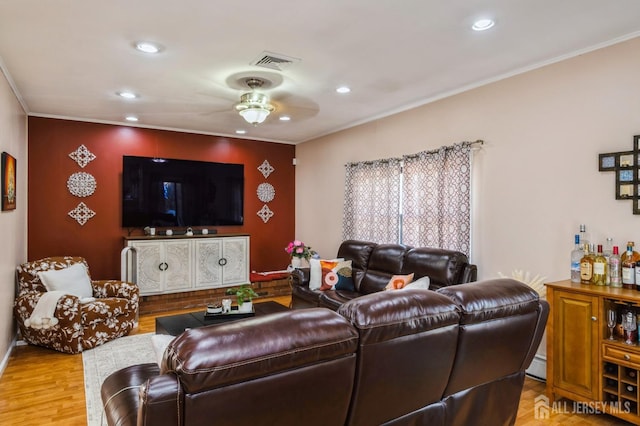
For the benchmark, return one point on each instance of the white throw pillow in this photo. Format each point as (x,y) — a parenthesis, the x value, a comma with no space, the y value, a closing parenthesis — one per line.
(73,280)
(160,343)
(315,272)
(423,283)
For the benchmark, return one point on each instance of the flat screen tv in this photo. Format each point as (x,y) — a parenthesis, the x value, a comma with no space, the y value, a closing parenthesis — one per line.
(175,193)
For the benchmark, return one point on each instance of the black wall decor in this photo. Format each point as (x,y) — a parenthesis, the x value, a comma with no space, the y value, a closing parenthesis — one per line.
(626,165)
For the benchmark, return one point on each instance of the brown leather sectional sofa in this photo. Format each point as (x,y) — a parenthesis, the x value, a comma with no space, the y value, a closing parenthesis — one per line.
(373,266)
(455,356)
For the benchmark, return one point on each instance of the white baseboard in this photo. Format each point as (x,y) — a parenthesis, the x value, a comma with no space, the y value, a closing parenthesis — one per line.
(5,359)
(538,367)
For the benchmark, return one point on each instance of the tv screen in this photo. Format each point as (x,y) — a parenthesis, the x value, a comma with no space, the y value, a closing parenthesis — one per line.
(170,193)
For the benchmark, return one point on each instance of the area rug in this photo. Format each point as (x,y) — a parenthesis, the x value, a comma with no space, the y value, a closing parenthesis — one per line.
(103,360)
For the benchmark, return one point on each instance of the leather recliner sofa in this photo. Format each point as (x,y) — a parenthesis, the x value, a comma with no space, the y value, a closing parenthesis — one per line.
(373,265)
(455,356)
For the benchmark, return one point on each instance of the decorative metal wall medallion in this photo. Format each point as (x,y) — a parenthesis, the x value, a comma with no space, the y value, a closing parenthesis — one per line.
(266,192)
(266,169)
(265,213)
(82,156)
(81,184)
(82,213)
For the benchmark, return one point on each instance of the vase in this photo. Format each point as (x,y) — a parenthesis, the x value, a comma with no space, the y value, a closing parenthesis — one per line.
(299,262)
(246,307)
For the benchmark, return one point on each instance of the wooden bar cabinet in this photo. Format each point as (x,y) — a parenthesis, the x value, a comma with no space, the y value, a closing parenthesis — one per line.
(582,363)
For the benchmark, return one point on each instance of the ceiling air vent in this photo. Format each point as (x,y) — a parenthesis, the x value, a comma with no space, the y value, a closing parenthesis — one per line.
(274,61)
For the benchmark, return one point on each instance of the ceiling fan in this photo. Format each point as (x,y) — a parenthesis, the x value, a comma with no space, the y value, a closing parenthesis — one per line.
(254,106)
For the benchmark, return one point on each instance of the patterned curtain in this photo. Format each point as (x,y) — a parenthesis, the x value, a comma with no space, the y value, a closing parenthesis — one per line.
(372,201)
(436,200)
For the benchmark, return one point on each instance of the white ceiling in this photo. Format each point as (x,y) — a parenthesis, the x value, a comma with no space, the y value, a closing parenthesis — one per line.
(68,58)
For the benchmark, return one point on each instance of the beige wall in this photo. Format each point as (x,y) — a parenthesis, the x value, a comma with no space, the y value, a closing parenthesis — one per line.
(536,178)
(13,224)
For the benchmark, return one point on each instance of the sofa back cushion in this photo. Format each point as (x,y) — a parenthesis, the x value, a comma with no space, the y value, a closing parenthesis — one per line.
(242,370)
(358,252)
(210,357)
(443,267)
(385,261)
(499,319)
(407,345)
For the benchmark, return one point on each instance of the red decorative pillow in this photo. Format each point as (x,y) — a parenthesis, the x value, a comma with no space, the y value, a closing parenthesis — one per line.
(399,281)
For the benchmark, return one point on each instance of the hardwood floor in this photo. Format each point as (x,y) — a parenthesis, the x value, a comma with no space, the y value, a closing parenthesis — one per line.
(43,387)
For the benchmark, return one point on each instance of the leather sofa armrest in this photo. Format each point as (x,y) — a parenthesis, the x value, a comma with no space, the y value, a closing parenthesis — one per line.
(300,277)
(469,274)
(539,331)
(120,393)
(161,401)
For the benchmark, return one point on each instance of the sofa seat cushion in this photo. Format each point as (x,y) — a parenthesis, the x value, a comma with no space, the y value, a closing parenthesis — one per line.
(333,299)
(104,310)
(304,297)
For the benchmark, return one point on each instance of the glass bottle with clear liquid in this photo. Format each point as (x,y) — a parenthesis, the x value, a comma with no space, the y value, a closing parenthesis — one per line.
(615,273)
(576,255)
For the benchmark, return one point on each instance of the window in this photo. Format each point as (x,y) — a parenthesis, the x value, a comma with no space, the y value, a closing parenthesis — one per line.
(421,200)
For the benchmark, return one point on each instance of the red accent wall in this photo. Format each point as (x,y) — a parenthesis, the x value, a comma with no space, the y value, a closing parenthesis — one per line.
(53,232)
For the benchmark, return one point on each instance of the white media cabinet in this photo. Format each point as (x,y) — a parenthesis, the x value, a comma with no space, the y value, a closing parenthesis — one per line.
(161,264)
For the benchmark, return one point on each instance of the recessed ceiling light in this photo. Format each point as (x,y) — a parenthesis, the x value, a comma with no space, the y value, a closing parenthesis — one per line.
(131,118)
(285,118)
(240,132)
(148,47)
(482,24)
(127,95)
(343,89)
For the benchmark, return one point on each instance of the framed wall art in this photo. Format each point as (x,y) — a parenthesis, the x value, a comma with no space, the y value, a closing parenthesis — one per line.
(8,182)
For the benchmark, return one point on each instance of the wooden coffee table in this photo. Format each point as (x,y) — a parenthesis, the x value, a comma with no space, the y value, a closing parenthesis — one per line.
(176,324)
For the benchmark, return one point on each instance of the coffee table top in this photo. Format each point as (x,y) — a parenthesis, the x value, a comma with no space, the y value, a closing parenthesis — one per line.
(176,324)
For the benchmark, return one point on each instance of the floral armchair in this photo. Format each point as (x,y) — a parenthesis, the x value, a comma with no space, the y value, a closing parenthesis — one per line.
(81,323)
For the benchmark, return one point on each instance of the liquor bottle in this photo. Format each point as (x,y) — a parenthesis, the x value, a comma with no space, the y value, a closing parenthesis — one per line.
(628,267)
(584,237)
(576,255)
(586,266)
(607,251)
(615,278)
(599,275)
(631,388)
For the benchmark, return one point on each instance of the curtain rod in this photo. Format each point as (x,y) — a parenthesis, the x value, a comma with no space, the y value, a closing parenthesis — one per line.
(386,160)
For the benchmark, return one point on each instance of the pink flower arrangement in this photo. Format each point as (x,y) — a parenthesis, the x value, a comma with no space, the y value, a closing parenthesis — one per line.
(297,248)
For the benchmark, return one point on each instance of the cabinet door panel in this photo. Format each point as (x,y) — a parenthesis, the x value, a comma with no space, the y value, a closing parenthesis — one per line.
(177,257)
(208,268)
(236,254)
(148,261)
(575,343)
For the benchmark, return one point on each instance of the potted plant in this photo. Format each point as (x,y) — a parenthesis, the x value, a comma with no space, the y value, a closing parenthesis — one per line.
(300,253)
(244,295)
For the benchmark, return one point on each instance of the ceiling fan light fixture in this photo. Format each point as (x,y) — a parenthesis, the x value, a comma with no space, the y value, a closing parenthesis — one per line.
(254,106)
(255,115)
